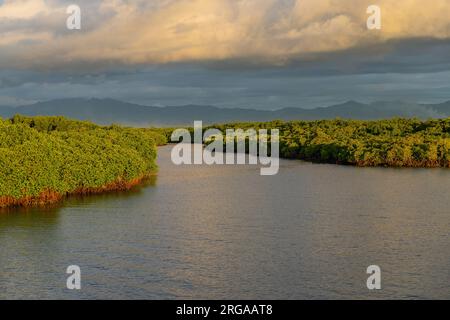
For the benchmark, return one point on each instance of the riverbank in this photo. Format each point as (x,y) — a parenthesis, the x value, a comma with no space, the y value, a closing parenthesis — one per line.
(49,197)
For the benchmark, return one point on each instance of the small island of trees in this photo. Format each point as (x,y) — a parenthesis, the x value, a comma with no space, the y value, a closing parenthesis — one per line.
(44,159)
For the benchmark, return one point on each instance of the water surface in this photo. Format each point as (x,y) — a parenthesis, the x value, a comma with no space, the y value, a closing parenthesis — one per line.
(226,232)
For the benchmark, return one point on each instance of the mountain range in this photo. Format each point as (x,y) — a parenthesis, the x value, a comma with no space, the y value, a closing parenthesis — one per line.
(107,111)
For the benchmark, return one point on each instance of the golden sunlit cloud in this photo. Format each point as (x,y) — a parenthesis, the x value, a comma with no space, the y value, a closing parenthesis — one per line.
(33,34)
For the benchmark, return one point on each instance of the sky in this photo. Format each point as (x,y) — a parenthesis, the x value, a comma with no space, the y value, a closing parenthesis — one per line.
(265,54)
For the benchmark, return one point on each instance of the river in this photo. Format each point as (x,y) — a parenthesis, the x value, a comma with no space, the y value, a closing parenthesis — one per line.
(226,232)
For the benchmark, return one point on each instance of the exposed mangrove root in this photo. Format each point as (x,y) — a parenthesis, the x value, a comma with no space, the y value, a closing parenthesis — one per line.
(49,197)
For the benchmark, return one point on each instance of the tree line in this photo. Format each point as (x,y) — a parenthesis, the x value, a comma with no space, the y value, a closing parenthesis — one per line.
(394,142)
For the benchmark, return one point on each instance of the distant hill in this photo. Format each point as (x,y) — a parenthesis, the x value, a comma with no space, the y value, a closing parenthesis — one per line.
(107,111)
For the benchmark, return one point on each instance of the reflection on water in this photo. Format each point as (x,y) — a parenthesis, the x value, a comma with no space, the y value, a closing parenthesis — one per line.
(227,232)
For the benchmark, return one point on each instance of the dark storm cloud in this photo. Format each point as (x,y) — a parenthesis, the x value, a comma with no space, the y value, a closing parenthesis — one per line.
(395,56)
(266,89)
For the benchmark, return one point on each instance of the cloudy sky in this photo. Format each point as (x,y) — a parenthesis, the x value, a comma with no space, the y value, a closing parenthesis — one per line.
(232,53)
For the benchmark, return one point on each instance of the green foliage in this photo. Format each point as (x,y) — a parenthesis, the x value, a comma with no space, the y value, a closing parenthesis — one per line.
(394,142)
(54,153)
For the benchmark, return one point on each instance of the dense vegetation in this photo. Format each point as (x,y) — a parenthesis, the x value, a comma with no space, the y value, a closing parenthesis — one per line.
(43,159)
(395,142)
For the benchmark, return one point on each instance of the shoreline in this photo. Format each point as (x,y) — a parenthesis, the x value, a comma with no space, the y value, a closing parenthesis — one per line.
(50,197)
(427,164)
